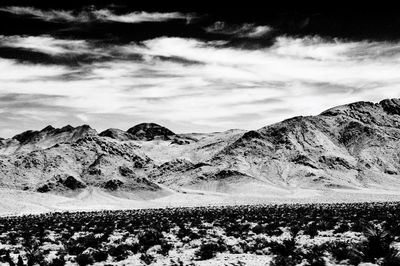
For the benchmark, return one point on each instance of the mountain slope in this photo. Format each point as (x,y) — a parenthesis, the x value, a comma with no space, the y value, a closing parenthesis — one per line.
(351,146)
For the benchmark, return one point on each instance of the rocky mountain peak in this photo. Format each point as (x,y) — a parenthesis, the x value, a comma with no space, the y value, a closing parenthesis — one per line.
(391,106)
(48,128)
(385,113)
(150,131)
(84,130)
(348,109)
(48,136)
(67,128)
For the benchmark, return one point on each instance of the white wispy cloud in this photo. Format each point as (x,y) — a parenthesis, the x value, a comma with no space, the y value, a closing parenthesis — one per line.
(46,44)
(138,17)
(246,30)
(222,88)
(94,14)
(48,15)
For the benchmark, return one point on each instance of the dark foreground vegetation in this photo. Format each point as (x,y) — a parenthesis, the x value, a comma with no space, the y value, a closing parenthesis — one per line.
(314,234)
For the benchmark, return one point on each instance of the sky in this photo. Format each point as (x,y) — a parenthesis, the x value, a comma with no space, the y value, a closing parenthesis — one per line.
(115,65)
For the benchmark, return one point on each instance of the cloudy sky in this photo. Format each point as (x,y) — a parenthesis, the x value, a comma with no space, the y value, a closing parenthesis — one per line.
(114,65)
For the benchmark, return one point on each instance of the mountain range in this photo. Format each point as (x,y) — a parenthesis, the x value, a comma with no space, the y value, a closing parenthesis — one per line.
(349,147)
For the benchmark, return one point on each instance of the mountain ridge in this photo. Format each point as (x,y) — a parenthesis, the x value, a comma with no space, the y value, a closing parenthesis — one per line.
(353,146)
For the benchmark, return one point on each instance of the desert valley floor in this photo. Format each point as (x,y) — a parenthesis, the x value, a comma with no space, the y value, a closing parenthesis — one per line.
(16,202)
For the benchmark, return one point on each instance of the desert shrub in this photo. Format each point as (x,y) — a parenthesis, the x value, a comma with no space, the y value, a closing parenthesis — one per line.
(100,255)
(84,259)
(344,251)
(177,262)
(184,231)
(31,245)
(377,244)
(20,261)
(207,251)
(258,229)
(358,225)
(8,259)
(119,252)
(311,230)
(237,229)
(392,258)
(146,258)
(75,247)
(325,224)
(342,228)
(35,257)
(165,248)
(89,241)
(274,232)
(315,256)
(286,248)
(260,244)
(5,256)
(280,260)
(3,253)
(60,261)
(294,230)
(149,238)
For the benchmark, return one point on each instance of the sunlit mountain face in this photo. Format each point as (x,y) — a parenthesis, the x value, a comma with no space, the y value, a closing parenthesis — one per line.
(192,69)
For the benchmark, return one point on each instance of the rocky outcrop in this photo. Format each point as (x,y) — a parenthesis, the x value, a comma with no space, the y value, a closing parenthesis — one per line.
(391,106)
(113,184)
(60,184)
(117,134)
(151,131)
(49,136)
(72,183)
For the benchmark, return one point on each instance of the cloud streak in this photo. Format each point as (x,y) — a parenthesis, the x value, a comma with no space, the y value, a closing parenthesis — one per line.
(46,44)
(90,15)
(246,30)
(138,17)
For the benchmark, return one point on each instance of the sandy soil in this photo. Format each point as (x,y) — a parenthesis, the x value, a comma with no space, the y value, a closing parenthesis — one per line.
(14,202)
